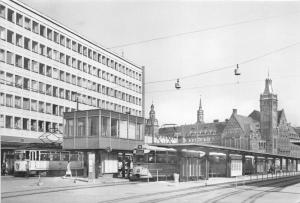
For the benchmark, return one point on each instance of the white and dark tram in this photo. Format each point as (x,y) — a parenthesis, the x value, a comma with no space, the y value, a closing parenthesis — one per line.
(53,162)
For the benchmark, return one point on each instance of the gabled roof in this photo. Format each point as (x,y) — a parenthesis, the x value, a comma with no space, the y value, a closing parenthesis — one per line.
(255,115)
(246,123)
(280,116)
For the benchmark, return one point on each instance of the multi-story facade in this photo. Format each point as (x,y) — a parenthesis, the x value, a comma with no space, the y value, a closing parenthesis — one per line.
(47,69)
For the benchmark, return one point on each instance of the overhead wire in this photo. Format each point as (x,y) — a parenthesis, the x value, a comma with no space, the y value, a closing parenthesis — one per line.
(221,84)
(200,30)
(227,66)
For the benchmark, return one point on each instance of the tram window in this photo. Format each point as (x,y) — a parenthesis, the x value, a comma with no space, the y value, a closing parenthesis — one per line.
(151,157)
(55,156)
(139,158)
(20,156)
(27,155)
(65,156)
(45,156)
(73,157)
(161,157)
(38,155)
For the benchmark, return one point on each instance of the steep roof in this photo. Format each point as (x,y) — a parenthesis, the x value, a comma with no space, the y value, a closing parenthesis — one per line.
(255,115)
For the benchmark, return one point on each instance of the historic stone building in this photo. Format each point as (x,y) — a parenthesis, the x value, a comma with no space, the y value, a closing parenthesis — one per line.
(243,132)
(266,130)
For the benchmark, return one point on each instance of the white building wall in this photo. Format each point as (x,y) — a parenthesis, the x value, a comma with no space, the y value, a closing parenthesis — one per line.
(102,99)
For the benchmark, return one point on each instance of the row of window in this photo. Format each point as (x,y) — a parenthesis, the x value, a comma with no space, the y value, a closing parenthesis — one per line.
(55,36)
(14,122)
(29,104)
(33,85)
(34,46)
(18,102)
(110,127)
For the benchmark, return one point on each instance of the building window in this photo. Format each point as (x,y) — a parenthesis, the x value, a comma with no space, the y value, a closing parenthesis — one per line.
(25,124)
(69,128)
(2,99)
(81,127)
(35,47)
(41,87)
(42,69)
(2,55)
(33,105)
(19,40)
(18,81)
(35,27)
(2,33)
(33,125)
(104,126)
(42,49)
(27,23)
(42,31)
(48,108)
(41,107)
(10,37)
(56,37)
(2,11)
(41,127)
(9,58)
(34,66)
(2,121)
(10,15)
(19,61)
(49,90)
(34,86)
(27,43)
(62,40)
(49,34)
(19,19)
(26,63)
(9,100)
(8,121)
(26,103)
(114,127)
(49,71)
(93,126)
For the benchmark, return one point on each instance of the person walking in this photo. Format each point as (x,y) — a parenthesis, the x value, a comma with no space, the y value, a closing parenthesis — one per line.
(68,172)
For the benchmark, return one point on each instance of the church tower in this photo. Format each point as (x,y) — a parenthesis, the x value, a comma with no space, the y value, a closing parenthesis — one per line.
(200,114)
(152,114)
(268,117)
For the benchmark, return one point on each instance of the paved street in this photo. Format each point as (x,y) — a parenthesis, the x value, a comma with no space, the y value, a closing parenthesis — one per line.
(56,189)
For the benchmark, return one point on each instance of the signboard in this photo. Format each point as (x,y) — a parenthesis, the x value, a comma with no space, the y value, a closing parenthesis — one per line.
(91,156)
(139,152)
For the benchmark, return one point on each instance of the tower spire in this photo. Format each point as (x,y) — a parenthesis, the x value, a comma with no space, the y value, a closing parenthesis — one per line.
(200,113)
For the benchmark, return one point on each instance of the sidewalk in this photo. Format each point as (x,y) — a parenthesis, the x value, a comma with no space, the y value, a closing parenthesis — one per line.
(10,184)
(14,184)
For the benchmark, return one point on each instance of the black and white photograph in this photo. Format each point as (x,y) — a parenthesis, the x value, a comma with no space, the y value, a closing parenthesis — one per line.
(147,101)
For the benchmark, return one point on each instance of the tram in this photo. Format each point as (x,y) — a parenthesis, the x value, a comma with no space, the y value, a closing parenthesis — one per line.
(153,162)
(50,161)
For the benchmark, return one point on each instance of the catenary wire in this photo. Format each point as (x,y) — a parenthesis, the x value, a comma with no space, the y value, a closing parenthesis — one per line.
(201,30)
(228,66)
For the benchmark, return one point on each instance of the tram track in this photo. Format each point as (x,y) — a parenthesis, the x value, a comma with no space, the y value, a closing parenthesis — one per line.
(35,191)
(278,182)
(214,200)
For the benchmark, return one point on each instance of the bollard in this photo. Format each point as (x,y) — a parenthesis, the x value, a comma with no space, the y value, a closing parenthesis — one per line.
(148,175)
(156,175)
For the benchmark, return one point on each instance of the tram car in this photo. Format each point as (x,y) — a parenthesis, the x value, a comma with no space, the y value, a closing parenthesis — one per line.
(53,162)
(153,162)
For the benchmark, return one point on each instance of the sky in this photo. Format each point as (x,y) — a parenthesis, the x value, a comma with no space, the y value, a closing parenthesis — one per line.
(261,36)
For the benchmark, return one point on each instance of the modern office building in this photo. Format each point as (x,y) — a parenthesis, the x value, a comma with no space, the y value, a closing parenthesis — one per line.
(47,69)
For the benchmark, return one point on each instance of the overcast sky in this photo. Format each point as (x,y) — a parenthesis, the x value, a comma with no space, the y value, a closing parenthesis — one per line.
(271,26)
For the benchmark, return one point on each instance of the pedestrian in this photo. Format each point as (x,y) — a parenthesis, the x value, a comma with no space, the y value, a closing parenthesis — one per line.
(68,172)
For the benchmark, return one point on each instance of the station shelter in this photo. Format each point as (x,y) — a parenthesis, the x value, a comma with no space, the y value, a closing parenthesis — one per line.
(219,161)
(106,137)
